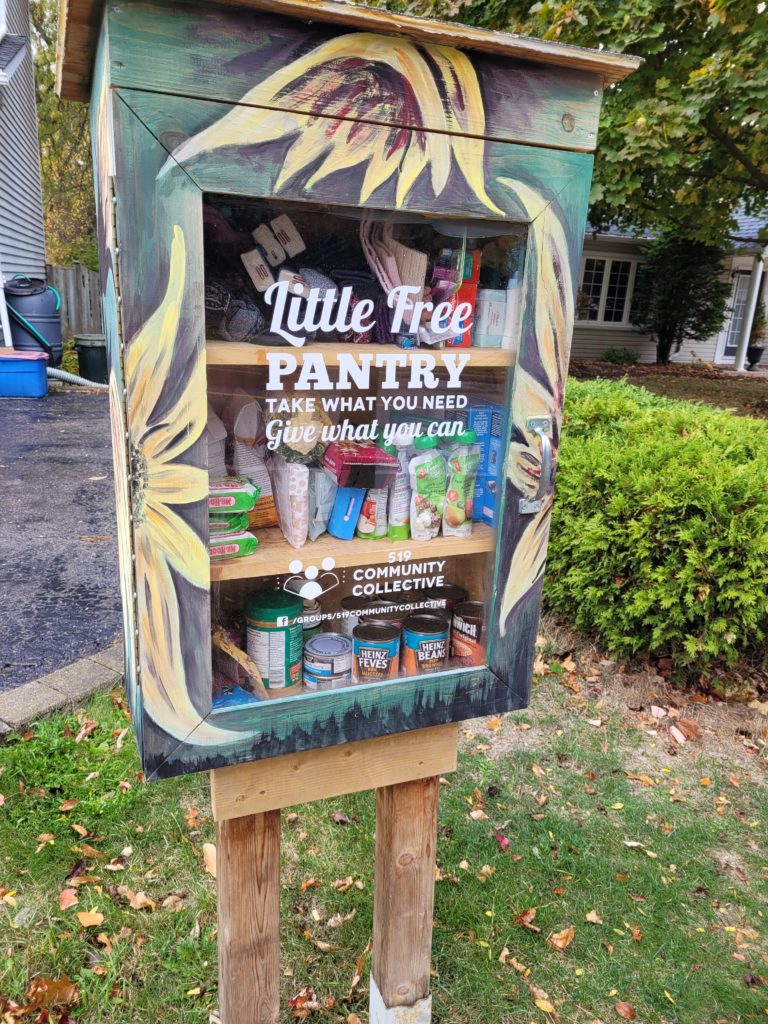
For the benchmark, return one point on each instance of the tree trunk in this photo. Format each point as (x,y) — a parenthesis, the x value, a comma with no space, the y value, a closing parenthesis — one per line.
(664,343)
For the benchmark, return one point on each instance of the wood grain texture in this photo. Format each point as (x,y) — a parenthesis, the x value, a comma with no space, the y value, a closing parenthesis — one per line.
(78,19)
(274,554)
(239,56)
(248,882)
(242,353)
(255,170)
(403,903)
(332,771)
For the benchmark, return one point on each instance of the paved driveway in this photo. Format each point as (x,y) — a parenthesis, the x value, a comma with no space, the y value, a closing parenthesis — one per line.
(58,557)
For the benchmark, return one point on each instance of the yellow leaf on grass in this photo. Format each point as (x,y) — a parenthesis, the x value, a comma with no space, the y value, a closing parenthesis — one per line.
(90,918)
(561,940)
(544,1005)
(494,723)
(209,858)
(594,918)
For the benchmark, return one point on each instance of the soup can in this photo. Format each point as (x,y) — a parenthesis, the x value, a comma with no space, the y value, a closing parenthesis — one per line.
(446,596)
(327,661)
(376,652)
(274,636)
(383,613)
(358,608)
(425,643)
(467,628)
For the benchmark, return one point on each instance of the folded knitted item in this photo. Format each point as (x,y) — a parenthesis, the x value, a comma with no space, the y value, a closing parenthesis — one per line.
(217,296)
(242,321)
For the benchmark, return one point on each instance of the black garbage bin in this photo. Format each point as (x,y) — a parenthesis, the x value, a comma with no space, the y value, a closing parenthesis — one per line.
(92,357)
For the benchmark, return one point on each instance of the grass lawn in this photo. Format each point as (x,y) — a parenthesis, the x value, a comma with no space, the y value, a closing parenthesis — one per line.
(652,851)
(743,395)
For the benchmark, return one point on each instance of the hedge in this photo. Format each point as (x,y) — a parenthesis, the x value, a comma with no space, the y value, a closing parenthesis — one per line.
(659,538)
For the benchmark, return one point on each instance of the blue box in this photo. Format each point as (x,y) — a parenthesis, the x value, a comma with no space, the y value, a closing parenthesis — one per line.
(487,421)
(22,374)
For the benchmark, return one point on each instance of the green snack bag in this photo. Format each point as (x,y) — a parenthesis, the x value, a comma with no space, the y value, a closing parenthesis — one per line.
(232,545)
(232,494)
(463,462)
(228,522)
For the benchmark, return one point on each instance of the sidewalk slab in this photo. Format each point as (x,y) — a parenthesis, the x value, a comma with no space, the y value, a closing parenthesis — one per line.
(80,679)
(113,657)
(19,706)
(67,686)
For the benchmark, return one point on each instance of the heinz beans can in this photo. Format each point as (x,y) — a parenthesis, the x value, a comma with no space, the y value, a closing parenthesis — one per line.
(467,628)
(376,652)
(425,643)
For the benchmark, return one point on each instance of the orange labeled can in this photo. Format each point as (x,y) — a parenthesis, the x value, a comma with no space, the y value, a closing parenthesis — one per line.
(425,644)
(467,627)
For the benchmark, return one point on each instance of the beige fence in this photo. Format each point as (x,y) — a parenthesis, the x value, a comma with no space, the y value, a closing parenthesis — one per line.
(80,299)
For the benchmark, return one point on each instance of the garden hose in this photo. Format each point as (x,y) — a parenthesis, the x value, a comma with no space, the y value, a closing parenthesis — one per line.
(72,378)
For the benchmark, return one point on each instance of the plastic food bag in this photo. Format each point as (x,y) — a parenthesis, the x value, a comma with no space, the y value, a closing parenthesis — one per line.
(321,493)
(290,488)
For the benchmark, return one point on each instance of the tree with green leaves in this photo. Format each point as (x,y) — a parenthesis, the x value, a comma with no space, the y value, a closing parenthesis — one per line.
(65,153)
(679,294)
(684,140)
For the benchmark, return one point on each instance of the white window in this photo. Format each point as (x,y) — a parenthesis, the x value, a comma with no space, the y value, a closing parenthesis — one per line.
(605,295)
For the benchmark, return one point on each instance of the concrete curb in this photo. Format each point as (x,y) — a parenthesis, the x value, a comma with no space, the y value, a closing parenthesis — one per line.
(64,688)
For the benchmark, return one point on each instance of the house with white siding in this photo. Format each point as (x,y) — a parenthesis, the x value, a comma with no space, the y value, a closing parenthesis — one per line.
(608,270)
(22,238)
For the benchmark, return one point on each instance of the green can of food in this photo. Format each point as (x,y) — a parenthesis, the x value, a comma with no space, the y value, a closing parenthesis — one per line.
(274,636)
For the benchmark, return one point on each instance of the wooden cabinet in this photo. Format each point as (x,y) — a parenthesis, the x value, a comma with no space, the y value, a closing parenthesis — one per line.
(273,179)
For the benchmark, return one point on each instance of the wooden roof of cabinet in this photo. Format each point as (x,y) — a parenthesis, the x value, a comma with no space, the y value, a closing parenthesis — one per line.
(80,23)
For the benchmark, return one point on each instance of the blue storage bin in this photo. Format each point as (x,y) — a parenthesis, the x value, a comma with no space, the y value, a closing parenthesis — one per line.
(22,374)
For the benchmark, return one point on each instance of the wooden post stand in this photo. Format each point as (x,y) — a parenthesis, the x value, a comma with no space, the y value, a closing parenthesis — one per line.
(246,800)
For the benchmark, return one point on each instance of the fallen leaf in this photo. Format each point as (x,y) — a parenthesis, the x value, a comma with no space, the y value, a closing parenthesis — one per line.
(705,782)
(105,941)
(502,840)
(478,814)
(90,918)
(568,664)
(561,940)
(137,900)
(676,735)
(209,858)
(691,730)
(67,898)
(493,723)
(80,829)
(340,819)
(625,1010)
(52,992)
(645,779)
(339,919)
(658,712)
(485,872)
(544,1005)
(342,884)
(68,805)
(734,781)
(538,772)
(636,933)
(593,917)
(309,883)
(526,919)
(596,722)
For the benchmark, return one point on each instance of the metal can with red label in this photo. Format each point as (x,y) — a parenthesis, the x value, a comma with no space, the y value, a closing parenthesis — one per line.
(467,633)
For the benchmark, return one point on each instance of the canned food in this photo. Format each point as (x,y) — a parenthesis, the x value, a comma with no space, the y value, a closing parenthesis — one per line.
(356,609)
(467,628)
(383,613)
(376,652)
(312,619)
(327,661)
(425,643)
(274,636)
(445,596)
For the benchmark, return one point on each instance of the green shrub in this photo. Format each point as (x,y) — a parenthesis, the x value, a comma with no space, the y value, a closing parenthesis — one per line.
(659,539)
(620,356)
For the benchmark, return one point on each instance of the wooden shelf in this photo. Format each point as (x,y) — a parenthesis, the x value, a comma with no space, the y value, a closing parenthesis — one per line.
(275,554)
(240,353)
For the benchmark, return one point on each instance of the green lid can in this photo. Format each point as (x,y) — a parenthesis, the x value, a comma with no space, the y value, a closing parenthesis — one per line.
(275,636)
(424,442)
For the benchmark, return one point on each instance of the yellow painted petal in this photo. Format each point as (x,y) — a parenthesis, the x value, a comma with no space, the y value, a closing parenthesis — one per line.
(184,423)
(164,693)
(148,356)
(527,563)
(176,484)
(167,533)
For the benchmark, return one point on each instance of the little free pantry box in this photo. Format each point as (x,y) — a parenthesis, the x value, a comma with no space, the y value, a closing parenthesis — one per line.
(339,256)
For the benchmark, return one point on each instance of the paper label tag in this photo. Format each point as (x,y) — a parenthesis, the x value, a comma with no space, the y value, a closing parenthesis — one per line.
(258,271)
(275,252)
